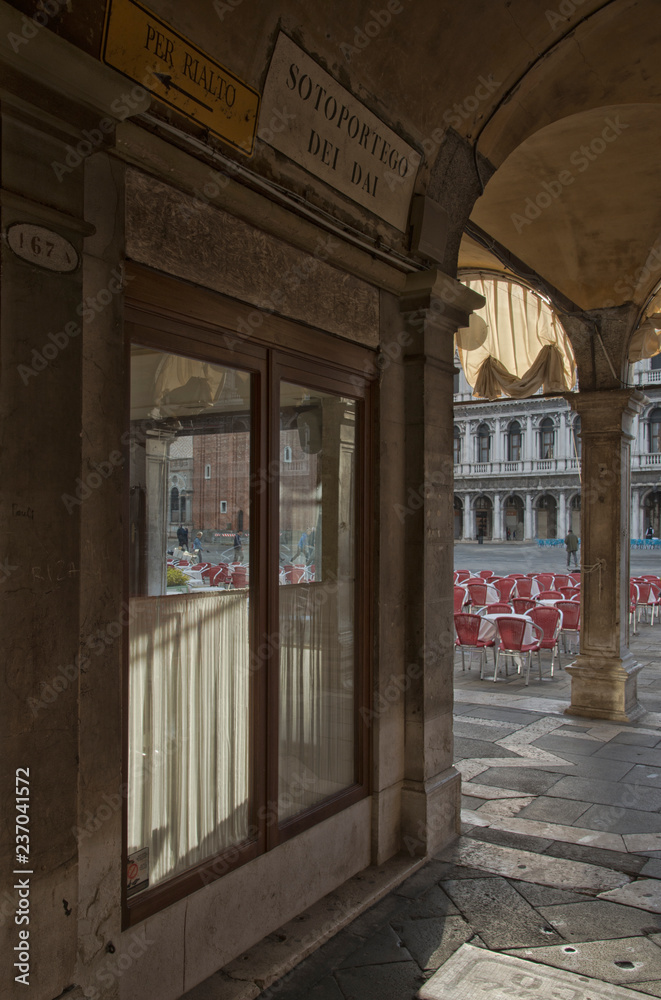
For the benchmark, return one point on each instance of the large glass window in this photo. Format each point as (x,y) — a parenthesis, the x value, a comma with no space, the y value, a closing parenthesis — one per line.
(546,438)
(655,431)
(316,596)
(514,442)
(483,443)
(246,646)
(456,437)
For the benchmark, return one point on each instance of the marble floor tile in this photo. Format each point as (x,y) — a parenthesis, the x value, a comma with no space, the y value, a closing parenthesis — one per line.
(499,914)
(472,973)
(527,780)
(489,792)
(503,808)
(642,775)
(637,842)
(618,819)
(620,961)
(636,755)
(608,793)
(619,861)
(547,809)
(644,893)
(599,919)
(431,942)
(528,867)
(555,831)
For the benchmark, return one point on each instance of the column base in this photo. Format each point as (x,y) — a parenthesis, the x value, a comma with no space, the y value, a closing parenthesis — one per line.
(431,813)
(604,687)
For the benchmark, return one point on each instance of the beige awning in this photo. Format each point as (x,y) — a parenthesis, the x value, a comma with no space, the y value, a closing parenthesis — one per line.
(515,344)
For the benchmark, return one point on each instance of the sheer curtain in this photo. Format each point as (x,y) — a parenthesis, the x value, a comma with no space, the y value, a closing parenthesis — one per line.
(189,771)
(316,694)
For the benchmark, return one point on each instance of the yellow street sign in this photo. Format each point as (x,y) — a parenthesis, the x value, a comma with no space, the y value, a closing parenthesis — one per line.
(149,51)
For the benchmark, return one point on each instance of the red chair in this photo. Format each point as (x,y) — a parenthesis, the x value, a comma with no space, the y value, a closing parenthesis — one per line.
(561,581)
(522,605)
(571,619)
(550,622)
(634,595)
(461,574)
(524,587)
(569,592)
(221,576)
(576,577)
(516,576)
(500,608)
(504,586)
(478,596)
(460,598)
(512,635)
(549,595)
(545,580)
(210,571)
(468,628)
(576,596)
(648,597)
(486,574)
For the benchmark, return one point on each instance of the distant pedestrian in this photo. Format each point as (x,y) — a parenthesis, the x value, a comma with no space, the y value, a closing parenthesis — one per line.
(649,534)
(571,543)
(182,536)
(238,548)
(197,546)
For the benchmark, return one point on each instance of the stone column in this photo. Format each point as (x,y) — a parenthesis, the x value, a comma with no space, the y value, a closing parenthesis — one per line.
(497,518)
(635,514)
(528,529)
(528,443)
(604,675)
(562,515)
(433,307)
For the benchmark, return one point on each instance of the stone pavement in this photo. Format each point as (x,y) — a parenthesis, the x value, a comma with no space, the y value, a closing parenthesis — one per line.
(559,862)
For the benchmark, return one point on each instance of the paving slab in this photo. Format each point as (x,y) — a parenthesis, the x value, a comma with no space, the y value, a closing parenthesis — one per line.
(642,841)
(544,895)
(431,874)
(651,868)
(641,774)
(488,792)
(472,972)
(572,744)
(638,739)
(481,729)
(493,835)
(599,919)
(434,903)
(465,748)
(399,979)
(590,767)
(327,989)
(499,914)
(637,755)
(529,780)
(553,831)
(548,809)
(528,867)
(621,961)
(504,808)
(644,893)
(618,819)
(503,714)
(653,989)
(381,948)
(608,793)
(220,985)
(630,864)
(431,942)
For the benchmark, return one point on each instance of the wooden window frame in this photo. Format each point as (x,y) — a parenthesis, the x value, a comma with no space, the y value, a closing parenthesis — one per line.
(170,316)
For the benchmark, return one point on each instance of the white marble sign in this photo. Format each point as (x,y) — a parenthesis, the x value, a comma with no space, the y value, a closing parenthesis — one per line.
(474,972)
(309,117)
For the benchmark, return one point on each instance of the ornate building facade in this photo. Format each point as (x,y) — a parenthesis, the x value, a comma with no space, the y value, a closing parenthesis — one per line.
(517,464)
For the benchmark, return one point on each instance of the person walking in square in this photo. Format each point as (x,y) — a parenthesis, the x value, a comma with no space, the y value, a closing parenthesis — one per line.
(571,542)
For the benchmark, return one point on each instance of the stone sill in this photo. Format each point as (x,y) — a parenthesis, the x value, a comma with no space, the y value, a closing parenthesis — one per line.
(278,953)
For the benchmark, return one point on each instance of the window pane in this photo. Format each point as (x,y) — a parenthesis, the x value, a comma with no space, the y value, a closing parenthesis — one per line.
(189,762)
(316,594)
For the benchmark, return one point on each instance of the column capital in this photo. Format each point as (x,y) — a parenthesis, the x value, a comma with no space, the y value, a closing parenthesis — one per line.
(446,301)
(606,410)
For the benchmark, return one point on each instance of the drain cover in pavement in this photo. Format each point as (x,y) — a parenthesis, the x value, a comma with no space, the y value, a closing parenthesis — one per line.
(473,973)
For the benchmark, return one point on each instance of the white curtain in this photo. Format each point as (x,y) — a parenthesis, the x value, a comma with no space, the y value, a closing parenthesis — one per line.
(188,728)
(316,693)
(502,351)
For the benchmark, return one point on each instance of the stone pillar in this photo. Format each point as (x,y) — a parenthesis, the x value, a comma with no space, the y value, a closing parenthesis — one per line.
(635,514)
(604,675)
(562,515)
(433,306)
(497,518)
(528,443)
(528,528)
